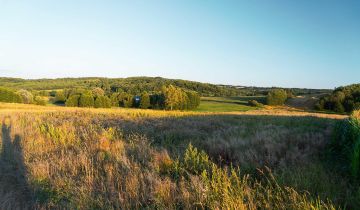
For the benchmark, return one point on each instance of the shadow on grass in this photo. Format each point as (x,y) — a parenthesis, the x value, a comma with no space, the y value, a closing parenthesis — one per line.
(14,189)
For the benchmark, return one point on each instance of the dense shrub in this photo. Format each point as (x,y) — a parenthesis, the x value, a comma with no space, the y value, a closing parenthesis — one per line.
(127,100)
(144,100)
(115,99)
(73,101)
(26,96)
(179,99)
(60,97)
(277,97)
(170,97)
(194,99)
(343,99)
(136,85)
(102,102)
(40,101)
(98,92)
(345,145)
(86,100)
(8,95)
(255,103)
(157,100)
(122,99)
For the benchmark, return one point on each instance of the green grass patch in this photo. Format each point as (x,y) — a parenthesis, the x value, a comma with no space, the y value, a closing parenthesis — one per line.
(227,104)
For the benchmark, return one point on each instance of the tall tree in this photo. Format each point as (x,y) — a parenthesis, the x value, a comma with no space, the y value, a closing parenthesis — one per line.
(102,102)
(86,100)
(26,96)
(60,97)
(145,100)
(73,100)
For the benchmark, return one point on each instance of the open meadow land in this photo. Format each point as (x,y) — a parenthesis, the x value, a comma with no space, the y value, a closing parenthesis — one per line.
(180,104)
(85,158)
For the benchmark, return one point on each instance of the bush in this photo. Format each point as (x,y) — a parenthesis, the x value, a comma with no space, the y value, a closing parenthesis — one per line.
(73,101)
(338,107)
(342,99)
(115,99)
(102,102)
(60,97)
(255,103)
(196,161)
(40,101)
(179,99)
(98,92)
(127,100)
(276,97)
(8,95)
(157,100)
(345,145)
(320,105)
(26,96)
(194,99)
(86,100)
(144,100)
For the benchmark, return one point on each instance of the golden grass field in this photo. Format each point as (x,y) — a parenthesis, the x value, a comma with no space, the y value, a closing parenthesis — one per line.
(78,158)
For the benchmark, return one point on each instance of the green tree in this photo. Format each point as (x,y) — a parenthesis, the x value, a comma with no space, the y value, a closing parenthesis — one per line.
(8,95)
(104,84)
(115,99)
(60,97)
(276,97)
(102,102)
(172,97)
(127,100)
(73,101)
(86,100)
(157,100)
(179,99)
(40,101)
(145,100)
(26,96)
(194,99)
(98,92)
(338,107)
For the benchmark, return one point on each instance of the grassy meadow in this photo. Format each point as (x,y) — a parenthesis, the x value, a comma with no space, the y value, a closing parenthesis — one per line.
(227,104)
(83,158)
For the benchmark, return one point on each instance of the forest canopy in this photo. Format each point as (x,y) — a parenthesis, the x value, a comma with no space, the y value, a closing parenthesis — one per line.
(137,85)
(342,99)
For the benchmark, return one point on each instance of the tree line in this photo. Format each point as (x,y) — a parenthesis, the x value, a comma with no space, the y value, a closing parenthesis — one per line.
(342,99)
(20,96)
(136,85)
(169,98)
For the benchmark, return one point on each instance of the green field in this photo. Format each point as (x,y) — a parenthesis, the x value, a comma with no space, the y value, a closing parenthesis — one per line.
(228,104)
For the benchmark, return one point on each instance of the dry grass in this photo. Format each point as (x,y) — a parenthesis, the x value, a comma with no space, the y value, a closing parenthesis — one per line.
(129,112)
(73,158)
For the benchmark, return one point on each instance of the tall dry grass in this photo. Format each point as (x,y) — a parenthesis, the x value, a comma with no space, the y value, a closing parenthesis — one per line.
(54,158)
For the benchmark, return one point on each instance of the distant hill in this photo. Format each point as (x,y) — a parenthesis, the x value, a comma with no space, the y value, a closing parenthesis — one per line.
(137,85)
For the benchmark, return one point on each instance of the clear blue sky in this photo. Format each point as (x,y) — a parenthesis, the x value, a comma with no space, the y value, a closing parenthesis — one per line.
(289,43)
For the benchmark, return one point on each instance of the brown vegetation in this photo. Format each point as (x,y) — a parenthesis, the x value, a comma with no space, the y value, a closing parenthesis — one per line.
(77,158)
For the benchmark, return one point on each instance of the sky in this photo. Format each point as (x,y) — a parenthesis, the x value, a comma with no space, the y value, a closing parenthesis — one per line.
(287,43)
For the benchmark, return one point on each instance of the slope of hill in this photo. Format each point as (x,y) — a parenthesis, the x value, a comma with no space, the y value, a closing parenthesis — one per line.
(136,85)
